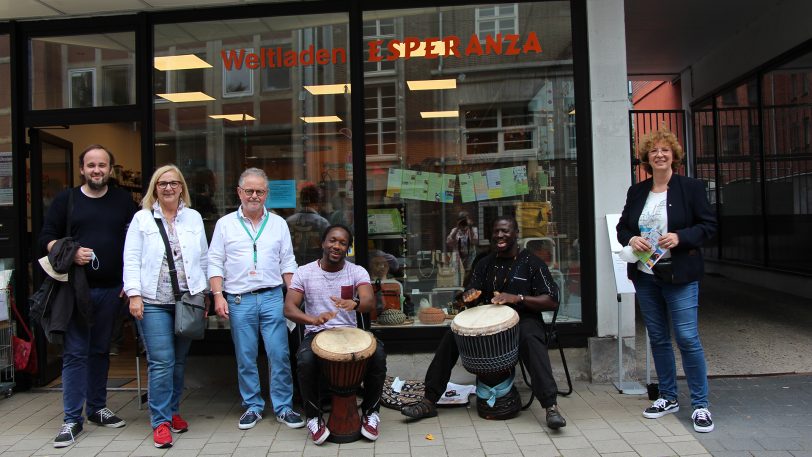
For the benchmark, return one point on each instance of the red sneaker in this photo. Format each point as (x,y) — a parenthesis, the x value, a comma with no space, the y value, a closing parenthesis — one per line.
(162,436)
(178,424)
(318,430)
(369,426)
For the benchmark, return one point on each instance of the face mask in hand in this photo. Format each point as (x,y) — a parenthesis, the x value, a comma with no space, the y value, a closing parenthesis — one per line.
(94,261)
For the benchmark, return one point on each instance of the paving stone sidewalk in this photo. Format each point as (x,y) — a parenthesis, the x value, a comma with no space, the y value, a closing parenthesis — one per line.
(758,416)
(601,422)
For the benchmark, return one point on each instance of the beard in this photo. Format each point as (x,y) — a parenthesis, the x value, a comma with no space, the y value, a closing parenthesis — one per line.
(97,186)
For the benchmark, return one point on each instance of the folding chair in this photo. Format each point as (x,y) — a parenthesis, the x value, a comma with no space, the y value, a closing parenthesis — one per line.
(552,339)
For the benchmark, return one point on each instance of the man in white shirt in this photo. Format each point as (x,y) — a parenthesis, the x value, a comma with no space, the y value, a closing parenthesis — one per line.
(249,258)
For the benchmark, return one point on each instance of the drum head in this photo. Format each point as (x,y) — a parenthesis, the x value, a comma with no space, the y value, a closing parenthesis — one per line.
(484,320)
(344,344)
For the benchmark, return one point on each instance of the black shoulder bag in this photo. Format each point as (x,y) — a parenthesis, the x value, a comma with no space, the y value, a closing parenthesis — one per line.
(189,309)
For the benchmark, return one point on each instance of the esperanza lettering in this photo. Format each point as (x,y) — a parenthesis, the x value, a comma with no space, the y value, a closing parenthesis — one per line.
(409,47)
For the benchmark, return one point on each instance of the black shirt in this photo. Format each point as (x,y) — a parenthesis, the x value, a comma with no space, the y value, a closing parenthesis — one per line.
(524,274)
(96,223)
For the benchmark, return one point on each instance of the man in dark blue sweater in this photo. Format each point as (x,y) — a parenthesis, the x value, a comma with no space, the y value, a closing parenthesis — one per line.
(98,222)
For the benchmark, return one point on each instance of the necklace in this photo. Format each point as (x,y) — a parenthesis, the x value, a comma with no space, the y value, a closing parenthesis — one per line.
(334,274)
(506,277)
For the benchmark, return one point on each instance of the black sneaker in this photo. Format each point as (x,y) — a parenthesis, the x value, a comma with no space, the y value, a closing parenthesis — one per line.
(106,418)
(291,418)
(702,420)
(249,419)
(660,408)
(554,418)
(67,434)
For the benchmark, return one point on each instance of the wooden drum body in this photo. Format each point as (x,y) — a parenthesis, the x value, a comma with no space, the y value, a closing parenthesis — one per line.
(487,337)
(343,354)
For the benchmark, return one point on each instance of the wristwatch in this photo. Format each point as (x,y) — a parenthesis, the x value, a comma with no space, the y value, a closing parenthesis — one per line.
(521,299)
(357,302)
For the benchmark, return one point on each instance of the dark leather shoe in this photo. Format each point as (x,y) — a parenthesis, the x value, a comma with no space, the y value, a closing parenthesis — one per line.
(554,419)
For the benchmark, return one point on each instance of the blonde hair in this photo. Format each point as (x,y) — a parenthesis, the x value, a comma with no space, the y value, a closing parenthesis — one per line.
(660,136)
(151,196)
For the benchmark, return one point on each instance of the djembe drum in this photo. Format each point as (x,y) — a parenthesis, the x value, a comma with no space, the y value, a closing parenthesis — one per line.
(343,354)
(487,337)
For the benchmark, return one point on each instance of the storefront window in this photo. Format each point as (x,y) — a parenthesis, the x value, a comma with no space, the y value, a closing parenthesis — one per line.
(6,164)
(259,93)
(82,71)
(475,120)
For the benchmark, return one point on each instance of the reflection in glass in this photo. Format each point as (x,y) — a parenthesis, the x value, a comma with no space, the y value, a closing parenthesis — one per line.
(82,71)
(503,145)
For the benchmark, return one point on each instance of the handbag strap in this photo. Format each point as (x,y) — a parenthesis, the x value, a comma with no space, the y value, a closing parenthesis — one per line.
(173,274)
(20,319)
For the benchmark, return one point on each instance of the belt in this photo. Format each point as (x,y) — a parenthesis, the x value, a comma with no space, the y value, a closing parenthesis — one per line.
(253,292)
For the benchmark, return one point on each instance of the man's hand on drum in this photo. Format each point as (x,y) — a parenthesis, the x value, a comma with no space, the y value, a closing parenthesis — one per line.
(344,304)
(323,317)
(471,295)
(501,298)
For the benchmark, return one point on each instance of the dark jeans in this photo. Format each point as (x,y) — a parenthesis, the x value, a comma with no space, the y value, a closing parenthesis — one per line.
(532,351)
(86,356)
(309,371)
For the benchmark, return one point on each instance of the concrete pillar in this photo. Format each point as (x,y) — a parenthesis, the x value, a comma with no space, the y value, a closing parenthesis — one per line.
(611,160)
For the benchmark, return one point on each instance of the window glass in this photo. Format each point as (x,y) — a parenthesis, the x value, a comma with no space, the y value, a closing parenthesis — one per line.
(82,71)
(269,94)
(476,123)
(6,164)
(739,175)
(787,113)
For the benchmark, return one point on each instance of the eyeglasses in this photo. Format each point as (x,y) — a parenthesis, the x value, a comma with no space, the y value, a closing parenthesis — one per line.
(663,151)
(171,184)
(252,192)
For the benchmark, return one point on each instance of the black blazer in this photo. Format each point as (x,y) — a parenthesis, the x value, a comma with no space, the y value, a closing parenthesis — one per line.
(690,216)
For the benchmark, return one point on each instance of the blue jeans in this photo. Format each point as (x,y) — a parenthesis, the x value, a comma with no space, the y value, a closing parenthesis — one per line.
(660,301)
(166,361)
(261,314)
(86,356)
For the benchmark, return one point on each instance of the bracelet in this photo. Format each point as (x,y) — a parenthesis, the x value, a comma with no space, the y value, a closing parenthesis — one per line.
(219,292)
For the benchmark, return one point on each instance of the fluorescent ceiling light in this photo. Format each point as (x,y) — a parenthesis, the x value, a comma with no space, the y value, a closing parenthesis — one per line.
(233,117)
(181,97)
(433,114)
(432,84)
(328,89)
(182,62)
(318,119)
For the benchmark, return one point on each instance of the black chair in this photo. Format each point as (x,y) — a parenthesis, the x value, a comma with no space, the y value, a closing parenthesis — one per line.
(552,339)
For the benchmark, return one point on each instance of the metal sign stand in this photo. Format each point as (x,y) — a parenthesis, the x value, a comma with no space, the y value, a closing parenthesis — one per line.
(624,387)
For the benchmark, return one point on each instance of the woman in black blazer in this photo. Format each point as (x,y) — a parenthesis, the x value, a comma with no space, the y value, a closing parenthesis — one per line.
(673,213)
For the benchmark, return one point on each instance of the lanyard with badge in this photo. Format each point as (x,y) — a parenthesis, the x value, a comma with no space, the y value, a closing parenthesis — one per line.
(254,274)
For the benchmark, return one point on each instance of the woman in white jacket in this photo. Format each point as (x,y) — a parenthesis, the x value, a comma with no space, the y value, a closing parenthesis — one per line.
(152,302)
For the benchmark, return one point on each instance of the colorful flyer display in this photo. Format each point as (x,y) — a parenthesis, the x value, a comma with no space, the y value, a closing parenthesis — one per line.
(421,185)
(393,184)
(381,221)
(491,184)
(6,187)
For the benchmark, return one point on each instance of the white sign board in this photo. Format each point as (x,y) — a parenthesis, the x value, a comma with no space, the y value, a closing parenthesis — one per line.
(623,284)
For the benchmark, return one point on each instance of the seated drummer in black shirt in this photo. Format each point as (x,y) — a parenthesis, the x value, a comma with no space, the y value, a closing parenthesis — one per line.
(513,277)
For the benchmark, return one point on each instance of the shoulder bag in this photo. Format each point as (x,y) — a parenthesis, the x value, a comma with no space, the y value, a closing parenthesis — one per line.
(189,309)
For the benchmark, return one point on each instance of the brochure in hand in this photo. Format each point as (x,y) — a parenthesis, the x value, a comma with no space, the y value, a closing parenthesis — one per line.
(651,258)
